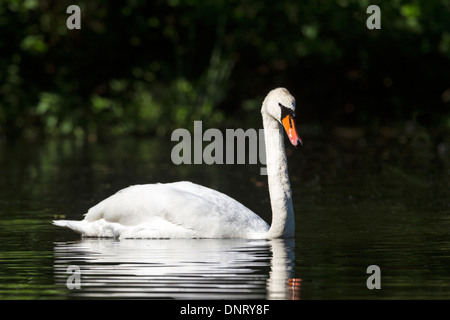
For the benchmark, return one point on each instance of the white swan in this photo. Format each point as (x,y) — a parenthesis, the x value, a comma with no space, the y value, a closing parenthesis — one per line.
(188,210)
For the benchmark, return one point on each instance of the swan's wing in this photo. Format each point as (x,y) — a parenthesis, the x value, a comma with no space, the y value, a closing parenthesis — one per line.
(180,209)
(217,214)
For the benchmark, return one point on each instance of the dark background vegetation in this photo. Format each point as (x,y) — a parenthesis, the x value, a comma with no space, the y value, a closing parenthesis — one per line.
(146,67)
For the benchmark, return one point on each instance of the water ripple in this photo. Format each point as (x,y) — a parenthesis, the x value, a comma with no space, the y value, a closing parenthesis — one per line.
(175,269)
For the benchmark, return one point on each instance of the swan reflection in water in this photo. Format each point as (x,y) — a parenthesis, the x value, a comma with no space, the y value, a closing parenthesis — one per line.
(178,268)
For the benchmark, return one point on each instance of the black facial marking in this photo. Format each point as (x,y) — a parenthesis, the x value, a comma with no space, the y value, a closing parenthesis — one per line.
(285,111)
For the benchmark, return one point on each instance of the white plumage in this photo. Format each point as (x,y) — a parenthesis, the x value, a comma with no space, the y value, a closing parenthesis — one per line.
(172,210)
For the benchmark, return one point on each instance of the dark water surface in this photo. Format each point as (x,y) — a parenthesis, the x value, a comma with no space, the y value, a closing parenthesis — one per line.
(357,204)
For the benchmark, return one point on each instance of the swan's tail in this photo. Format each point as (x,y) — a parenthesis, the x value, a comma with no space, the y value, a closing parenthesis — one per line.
(76,226)
(97,228)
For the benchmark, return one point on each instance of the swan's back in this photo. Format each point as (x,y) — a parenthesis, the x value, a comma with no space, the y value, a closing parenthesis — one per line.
(173,210)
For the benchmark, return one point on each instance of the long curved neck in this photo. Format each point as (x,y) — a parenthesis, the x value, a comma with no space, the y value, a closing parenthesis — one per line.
(283,225)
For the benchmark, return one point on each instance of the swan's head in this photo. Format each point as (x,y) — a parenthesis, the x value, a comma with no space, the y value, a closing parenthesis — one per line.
(280,105)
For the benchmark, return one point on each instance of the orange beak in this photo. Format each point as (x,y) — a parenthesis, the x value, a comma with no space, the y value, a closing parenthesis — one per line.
(289,126)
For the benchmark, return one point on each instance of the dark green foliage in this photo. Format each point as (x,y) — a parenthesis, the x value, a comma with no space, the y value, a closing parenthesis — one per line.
(145,67)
